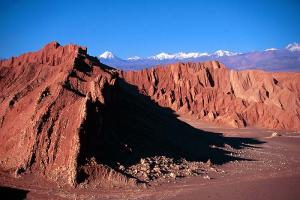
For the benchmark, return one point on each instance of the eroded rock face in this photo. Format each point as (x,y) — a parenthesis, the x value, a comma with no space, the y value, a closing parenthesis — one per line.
(216,94)
(73,120)
(47,100)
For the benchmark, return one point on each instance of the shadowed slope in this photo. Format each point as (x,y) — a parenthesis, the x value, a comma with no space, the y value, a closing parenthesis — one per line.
(136,128)
(13,193)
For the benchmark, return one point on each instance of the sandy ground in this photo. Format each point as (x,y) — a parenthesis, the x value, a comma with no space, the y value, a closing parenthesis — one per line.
(273,172)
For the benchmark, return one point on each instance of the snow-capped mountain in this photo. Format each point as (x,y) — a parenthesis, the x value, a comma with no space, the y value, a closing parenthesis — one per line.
(162,56)
(293,47)
(183,55)
(221,53)
(271,49)
(179,56)
(107,55)
(134,58)
(274,59)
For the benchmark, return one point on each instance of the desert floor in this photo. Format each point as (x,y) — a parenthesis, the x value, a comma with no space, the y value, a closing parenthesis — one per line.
(271,171)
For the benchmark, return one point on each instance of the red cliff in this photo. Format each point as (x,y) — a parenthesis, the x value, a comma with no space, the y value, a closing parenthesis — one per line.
(210,91)
(46,100)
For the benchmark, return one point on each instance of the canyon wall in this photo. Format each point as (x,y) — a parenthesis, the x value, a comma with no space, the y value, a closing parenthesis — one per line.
(211,92)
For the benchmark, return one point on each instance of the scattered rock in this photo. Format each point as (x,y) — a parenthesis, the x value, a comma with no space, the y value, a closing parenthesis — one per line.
(206,177)
(209,163)
(161,167)
(121,167)
(275,134)
(172,175)
(213,169)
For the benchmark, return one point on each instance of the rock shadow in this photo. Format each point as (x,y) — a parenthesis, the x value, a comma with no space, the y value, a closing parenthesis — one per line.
(12,193)
(133,127)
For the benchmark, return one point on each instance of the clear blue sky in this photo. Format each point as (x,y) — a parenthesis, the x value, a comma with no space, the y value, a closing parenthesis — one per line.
(147,27)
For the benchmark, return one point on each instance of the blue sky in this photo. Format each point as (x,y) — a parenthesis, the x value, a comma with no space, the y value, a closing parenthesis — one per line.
(147,27)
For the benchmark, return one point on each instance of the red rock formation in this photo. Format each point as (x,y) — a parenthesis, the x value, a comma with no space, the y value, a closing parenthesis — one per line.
(45,100)
(69,118)
(216,94)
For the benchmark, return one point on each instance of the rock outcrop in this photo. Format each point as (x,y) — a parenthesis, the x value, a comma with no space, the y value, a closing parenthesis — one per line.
(209,90)
(51,100)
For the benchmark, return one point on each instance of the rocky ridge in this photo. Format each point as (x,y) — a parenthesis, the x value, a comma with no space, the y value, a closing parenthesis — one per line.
(47,98)
(214,93)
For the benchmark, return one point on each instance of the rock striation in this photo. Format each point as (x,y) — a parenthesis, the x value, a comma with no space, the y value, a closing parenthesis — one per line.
(211,92)
(47,101)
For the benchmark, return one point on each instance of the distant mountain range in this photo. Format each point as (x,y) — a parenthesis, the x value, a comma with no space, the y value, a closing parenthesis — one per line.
(272,59)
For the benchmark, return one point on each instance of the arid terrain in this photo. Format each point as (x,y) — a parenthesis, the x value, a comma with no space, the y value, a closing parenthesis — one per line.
(74,128)
(272,172)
